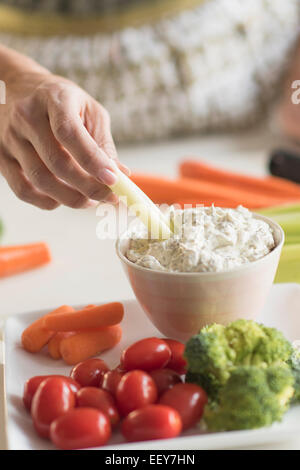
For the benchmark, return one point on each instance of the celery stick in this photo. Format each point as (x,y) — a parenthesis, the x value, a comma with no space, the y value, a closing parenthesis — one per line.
(292,239)
(277,210)
(288,216)
(289,222)
(142,206)
(289,265)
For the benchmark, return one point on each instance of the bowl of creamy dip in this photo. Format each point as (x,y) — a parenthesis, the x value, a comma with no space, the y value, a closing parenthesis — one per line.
(217,267)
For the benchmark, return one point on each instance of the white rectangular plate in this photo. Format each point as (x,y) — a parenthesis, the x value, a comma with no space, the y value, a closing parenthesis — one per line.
(282,311)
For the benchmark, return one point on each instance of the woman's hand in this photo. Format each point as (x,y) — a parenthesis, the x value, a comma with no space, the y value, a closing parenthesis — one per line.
(56,145)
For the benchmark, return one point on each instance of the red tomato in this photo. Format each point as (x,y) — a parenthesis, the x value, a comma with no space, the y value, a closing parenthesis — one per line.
(111,380)
(32,384)
(89,373)
(146,354)
(52,399)
(80,428)
(165,379)
(188,399)
(135,390)
(92,397)
(152,422)
(177,361)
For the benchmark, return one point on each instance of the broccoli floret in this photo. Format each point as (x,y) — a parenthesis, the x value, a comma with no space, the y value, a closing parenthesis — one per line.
(294,364)
(217,350)
(252,397)
(209,359)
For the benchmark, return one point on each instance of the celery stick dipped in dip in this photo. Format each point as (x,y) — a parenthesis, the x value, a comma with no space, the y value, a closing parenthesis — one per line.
(206,239)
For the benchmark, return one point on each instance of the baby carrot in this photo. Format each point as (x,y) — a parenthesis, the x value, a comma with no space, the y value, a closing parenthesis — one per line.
(85,344)
(89,317)
(36,336)
(54,343)
(19,258)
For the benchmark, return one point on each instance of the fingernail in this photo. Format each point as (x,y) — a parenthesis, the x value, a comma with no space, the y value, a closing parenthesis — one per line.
(92,203)
(107,176)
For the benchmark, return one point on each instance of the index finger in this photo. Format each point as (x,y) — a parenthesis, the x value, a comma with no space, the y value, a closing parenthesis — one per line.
(70,131)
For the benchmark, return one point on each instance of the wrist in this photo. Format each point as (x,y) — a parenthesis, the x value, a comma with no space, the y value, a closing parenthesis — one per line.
(21,83)
(18,71)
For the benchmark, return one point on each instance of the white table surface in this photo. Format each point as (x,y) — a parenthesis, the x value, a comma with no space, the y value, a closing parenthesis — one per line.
(86,270)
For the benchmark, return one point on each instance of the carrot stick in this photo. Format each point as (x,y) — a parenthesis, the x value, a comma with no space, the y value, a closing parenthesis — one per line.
(55,341)
(92,317)
(85,344)
(36,336)
(163,190)
(271,185)
(16,259)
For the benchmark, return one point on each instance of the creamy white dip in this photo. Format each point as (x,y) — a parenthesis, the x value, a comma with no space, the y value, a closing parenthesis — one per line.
(208,239)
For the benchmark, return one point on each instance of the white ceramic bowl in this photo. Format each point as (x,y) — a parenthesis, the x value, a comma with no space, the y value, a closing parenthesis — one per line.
(180,304)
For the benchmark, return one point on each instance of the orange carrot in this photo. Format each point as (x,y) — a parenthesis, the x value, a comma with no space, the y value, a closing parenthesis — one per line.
(92,317)
(271,185)
(36,336)
(85,344)
(16,259)
(163,190)
(55,341)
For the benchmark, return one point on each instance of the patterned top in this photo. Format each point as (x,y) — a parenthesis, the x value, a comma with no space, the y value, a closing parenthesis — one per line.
(216,65)
(79,17)
(73,6)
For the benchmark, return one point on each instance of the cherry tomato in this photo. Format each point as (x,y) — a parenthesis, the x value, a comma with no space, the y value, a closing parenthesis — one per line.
(177,361)
(80,428)
(53,398)
(165,379)
(111,380)
(152,422)
(92,397)
(89,373)
(147,354)
(31,386)
(188,399)
(135,390)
